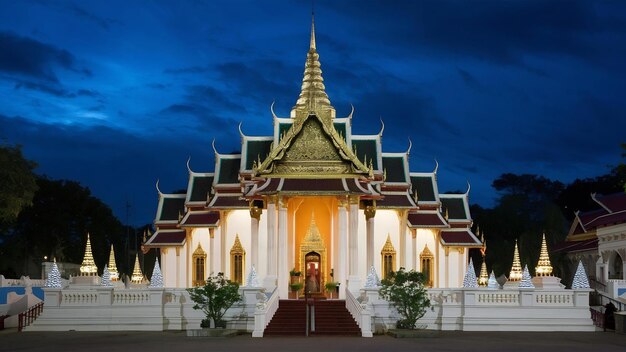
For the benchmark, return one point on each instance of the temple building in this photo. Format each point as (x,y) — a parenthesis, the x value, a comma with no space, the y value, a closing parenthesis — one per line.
(312,198)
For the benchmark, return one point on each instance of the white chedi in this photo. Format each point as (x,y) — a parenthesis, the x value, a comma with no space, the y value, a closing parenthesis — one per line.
(253,278)
(492,282)
(469,281)
(526,281)
(54,277)
(580,277)
(156,281)
(105,280)
(372,280)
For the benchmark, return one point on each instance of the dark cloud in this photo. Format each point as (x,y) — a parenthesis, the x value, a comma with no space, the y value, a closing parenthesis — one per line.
(117,166)
(500,31)
(105,23)
(26,56)
(52,89)
(468,78)
(187,70)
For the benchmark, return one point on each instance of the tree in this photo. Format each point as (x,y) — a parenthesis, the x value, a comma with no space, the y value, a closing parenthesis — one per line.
(405,291)
(18,184)
(214,298)
(56,225)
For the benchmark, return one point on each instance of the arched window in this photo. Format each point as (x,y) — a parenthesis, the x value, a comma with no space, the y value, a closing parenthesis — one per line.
(237,261)
(198,262)
(426,260)
(388,255)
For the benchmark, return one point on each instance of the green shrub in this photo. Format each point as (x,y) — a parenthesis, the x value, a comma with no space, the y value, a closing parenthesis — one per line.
(406,292)
(214,298)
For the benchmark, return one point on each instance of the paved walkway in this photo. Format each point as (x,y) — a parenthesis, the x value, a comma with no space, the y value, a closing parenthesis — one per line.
(179,342)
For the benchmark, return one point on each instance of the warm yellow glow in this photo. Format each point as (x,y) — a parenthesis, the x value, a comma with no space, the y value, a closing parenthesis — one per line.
(516,270)
(137,276)
(88,266)
(544,267)
(483,278)
(304,210)
(115,275)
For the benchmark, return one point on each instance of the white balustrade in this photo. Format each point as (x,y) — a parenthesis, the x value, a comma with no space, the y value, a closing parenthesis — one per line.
(360,313)
(264,312)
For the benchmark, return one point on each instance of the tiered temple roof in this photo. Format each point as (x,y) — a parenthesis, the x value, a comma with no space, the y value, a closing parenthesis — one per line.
(313,152)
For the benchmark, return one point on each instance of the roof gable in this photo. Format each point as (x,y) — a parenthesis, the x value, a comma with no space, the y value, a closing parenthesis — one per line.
(312,148)
(425,188)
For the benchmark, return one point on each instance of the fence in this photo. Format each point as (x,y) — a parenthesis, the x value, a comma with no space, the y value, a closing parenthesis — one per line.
(27,317)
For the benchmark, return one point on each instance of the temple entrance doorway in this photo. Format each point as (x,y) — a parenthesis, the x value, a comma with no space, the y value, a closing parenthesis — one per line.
(312,284)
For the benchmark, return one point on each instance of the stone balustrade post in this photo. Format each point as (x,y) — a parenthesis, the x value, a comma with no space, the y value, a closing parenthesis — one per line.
(104,296)
(52,296)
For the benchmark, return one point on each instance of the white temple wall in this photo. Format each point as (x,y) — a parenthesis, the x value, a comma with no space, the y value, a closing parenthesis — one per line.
(238,224)
(168,266)
(386,223)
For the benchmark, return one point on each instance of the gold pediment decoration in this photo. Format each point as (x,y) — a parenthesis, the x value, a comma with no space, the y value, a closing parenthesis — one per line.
(237,247)
(388,247)
(426,253)
(199,251)
(312,147)
(312,240)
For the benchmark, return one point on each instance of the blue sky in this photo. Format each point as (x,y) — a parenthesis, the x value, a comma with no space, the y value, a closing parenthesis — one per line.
(118,94)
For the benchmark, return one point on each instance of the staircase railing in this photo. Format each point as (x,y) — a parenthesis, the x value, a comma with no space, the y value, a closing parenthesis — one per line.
(360,313)
(264,313)
(602,298)
(27,317)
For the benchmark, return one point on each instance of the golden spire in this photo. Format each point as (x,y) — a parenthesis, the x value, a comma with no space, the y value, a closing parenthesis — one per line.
(544,267)
(137,276)
(516,270)
(313,95)
(483,278)
(388,247)
(115,275)
(88,266)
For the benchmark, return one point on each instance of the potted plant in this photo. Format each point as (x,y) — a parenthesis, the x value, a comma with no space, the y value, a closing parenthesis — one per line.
(295,275)
(331,287)
(296,287)
(214,298)
(406,292)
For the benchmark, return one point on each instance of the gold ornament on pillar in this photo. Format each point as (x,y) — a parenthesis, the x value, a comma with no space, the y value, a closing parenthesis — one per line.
(544,267)
(115,275)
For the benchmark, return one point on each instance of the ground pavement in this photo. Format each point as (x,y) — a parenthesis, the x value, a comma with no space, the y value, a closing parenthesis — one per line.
(10,340)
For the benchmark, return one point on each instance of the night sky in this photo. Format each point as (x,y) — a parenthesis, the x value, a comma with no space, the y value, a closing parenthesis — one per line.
(118,94)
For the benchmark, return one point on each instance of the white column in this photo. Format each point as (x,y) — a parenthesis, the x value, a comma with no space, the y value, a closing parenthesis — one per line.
(211,250)
(447,268)
(255,216)
(414,246)
(223,233)
(178,267)
(354,280)
(270,279)
(342,252)
(283,250)
(402,232)
(370,215)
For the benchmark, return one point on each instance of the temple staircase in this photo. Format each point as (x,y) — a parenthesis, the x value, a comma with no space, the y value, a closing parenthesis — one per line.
(331,318)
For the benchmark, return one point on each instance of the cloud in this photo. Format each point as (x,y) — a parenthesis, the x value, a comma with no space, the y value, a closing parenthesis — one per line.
(42,87)
(497,31)
(117,166)
(187,70)
(26,56)
(105,23)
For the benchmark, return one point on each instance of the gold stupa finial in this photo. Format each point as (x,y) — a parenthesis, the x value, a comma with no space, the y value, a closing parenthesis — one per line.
(88,266)
(516,270)
(115,275)
(312,44)
(313,97)
(388,247)
(544,267)
(137,276)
